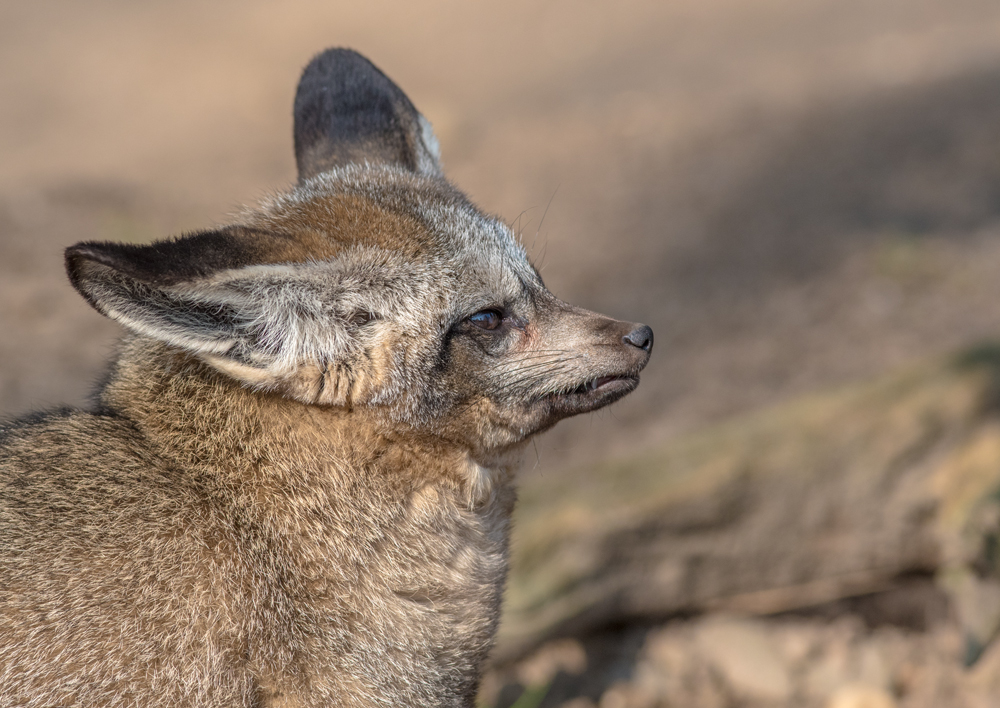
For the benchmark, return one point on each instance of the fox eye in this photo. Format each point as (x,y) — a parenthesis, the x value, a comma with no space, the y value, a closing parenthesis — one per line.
(486,319)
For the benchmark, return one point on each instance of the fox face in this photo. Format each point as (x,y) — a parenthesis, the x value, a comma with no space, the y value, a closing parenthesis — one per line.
(372,285)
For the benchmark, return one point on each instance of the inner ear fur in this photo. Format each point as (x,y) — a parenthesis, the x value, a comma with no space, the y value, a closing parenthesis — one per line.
(347,111)
(246,320)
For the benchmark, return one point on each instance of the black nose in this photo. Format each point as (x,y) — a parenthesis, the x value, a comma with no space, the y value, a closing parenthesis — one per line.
(641,337)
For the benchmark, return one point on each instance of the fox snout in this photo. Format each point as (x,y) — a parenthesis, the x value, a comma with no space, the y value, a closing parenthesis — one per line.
(579,361)
(627,355)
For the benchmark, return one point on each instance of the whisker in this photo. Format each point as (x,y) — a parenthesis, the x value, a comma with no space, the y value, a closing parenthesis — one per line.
(534,363)
(518,220)
(537,360)
(542,221)
(532,371)
(530,379)
(532,357)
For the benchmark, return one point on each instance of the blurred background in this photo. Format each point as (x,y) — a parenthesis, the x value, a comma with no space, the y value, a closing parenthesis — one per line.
(800,506)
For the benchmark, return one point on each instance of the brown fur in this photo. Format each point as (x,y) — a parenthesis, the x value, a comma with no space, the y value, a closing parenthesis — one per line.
(295,487)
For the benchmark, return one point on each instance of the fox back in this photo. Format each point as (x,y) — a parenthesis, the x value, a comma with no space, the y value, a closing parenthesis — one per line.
(295,486)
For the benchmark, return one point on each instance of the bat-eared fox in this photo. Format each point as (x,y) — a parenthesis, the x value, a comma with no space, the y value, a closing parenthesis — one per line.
(294,487)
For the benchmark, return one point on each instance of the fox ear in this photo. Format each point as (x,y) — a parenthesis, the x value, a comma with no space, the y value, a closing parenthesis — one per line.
(274,327)
(346,110)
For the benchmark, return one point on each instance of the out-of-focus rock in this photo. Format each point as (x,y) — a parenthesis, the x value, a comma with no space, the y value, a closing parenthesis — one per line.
(984,677)
(831,665)
(846,494)
(745,655)
(579,703)
(562,655)
(623,695)
(838,663)
(861,696)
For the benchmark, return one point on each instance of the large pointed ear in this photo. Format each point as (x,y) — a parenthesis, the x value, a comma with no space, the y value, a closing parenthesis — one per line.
(279,327)
(346,110)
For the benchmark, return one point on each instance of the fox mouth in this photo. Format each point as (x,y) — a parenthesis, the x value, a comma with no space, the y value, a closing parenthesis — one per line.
(592,394)
(594,384)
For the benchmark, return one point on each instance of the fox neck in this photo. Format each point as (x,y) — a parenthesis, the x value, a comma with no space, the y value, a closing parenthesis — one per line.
(203,422)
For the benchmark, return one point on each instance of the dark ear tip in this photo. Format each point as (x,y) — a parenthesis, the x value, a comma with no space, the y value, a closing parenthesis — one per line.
(337,58)
(329,71)
(84,249)
(103,253)
(75,257)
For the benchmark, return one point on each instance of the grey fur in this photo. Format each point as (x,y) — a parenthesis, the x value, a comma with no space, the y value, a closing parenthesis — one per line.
(296,486)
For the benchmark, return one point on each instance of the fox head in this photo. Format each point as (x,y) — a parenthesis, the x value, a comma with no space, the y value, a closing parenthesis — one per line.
(373,283)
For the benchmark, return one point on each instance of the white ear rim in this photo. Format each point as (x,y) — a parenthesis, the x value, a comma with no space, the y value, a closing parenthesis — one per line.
(107,293)
(428,159)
